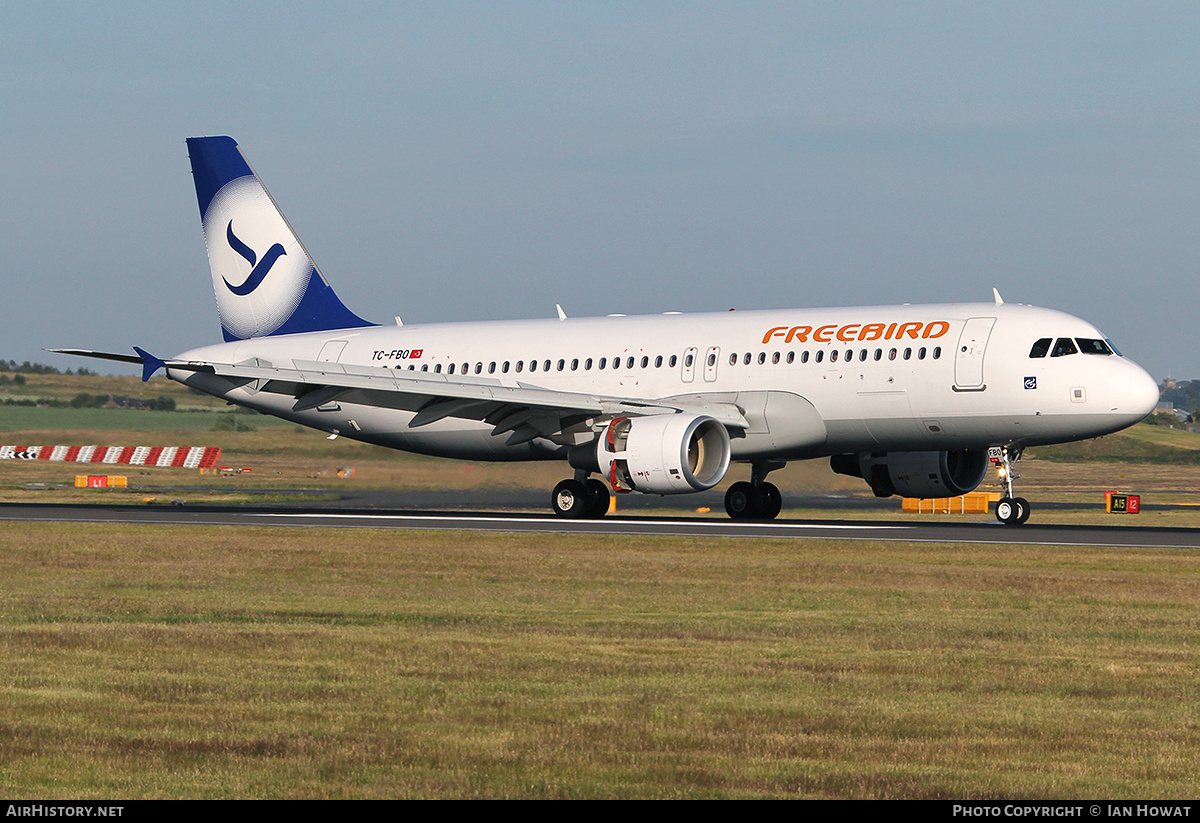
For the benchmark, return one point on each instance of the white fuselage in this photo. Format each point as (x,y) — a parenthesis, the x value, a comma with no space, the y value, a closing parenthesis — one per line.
(811,382)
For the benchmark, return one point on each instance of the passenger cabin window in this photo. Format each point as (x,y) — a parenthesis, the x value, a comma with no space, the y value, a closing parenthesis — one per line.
(1041,348)
(1063,346)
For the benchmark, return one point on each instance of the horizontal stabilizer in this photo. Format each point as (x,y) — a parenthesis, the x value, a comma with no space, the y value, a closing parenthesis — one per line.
(100,355)
(149,363)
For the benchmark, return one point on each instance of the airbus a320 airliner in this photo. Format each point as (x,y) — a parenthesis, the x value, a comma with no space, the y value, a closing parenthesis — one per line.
(910,398)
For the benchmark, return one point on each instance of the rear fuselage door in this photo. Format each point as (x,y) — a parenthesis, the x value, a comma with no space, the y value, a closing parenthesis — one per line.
(968,357)
(331,352)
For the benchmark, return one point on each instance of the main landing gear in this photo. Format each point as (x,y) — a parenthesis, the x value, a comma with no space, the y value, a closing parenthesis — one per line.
(758,499)
(1010,510)
(584,497)
(580,498)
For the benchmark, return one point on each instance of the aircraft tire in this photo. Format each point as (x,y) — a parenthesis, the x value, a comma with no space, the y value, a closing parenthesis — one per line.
(743,501)
(1023,505)
(570,499)
(772,501)
(598,498)
(1009,510)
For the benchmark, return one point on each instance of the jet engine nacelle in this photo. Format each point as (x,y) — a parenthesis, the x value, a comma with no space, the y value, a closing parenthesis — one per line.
(663,453)
(916,474)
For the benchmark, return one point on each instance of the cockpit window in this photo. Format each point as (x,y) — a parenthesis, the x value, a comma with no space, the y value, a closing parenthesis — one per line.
(1063,346)
(1090,346)
(1041,347)
(1115,350)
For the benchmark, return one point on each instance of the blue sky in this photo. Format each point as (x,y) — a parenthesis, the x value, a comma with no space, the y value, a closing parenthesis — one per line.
(456,161)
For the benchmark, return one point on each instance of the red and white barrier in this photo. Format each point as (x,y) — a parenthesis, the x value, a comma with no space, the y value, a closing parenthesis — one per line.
(187,457)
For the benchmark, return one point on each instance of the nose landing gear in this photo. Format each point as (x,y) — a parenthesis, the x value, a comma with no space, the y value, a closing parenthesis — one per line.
(1010,510)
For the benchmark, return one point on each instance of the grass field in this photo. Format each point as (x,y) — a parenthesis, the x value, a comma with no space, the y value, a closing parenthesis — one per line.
(301,663)
(168,662)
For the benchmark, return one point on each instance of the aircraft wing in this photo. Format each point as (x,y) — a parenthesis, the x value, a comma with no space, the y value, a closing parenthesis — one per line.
(526,410)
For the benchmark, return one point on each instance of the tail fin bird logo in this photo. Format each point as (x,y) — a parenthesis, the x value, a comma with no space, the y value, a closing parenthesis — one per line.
(259,268)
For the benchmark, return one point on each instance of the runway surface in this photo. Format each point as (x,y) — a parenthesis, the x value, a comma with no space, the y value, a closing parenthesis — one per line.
(955,531)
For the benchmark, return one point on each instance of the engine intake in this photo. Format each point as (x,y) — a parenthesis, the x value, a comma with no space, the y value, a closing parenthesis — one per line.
(916,474)
(663,453)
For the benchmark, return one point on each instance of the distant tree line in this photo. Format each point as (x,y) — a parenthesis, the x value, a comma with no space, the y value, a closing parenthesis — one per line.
(98,401)
(83,400)
(38,368)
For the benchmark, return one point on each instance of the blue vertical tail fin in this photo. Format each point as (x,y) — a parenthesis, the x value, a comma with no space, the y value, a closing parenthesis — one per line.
(264,279)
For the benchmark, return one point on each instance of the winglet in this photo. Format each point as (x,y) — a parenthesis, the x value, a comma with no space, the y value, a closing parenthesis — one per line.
(996,295)
(150,363)
(562,315)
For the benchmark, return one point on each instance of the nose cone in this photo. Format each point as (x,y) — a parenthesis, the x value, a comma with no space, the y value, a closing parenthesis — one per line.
(1132,393)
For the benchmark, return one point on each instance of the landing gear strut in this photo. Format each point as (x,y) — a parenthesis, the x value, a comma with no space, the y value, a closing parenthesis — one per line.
(1010,510)
(758,499)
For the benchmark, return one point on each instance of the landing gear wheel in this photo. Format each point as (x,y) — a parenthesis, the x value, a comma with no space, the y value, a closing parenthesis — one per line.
(1023,505)
(570,499)
(743,501)
(598,498)
(772,501)
(1012,511)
